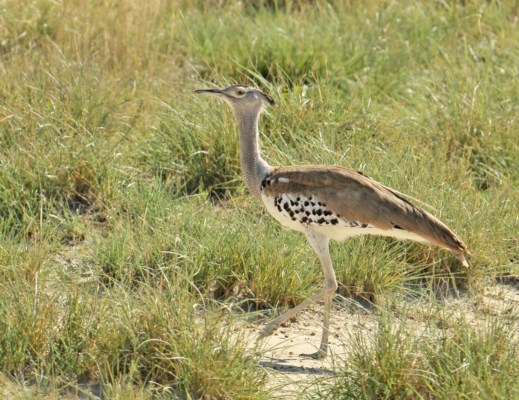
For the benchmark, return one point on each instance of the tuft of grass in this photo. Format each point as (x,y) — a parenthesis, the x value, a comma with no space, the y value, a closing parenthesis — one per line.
(405,361)
(163,339)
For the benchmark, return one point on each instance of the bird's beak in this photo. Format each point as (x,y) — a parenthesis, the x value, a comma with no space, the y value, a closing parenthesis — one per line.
(212,92)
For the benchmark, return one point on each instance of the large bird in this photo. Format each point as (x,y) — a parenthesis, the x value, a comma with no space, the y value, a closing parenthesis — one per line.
(325,202)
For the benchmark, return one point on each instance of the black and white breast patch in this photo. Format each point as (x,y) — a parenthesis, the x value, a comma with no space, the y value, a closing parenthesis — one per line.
(309,210)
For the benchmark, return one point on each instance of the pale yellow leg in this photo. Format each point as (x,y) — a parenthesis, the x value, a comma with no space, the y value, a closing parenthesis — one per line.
(320,244)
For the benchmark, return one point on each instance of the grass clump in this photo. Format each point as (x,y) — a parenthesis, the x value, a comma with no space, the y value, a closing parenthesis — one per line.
(405,361)
(175,343)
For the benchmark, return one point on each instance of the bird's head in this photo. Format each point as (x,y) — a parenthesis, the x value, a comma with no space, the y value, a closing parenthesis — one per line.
(240,98)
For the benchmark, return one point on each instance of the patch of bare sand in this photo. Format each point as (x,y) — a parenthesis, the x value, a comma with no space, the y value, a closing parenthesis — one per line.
(283,353)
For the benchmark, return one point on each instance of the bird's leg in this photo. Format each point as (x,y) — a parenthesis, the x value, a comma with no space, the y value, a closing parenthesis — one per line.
(276,323)
(320,245)
(323,348)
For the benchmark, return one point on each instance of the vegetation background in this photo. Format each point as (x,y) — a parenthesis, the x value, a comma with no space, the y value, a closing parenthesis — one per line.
(129,247)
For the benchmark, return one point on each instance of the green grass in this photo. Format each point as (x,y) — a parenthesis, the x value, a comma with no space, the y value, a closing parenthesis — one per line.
(126,231)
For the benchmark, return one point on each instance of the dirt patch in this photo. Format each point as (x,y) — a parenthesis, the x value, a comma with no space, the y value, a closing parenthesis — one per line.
(284,358)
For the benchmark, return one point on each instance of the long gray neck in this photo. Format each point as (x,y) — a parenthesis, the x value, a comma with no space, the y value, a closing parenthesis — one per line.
(254,168)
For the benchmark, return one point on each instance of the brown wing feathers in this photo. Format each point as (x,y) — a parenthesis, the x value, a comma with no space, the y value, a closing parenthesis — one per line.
(357,197)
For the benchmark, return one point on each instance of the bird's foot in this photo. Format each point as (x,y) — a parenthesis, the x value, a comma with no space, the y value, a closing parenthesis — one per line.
(318,355)
(269,330)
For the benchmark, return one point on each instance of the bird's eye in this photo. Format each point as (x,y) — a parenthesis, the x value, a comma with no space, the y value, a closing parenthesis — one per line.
(240,92)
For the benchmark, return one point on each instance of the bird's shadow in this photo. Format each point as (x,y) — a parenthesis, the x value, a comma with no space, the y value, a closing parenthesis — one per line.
(286,366)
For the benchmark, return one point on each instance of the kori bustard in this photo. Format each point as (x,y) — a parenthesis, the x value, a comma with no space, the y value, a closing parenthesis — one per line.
(325,202)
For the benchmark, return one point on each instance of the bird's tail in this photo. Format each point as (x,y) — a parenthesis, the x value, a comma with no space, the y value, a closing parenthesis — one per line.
(461,256)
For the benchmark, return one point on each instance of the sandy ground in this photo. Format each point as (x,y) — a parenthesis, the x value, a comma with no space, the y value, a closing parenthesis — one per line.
(284,358)
(290,371)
